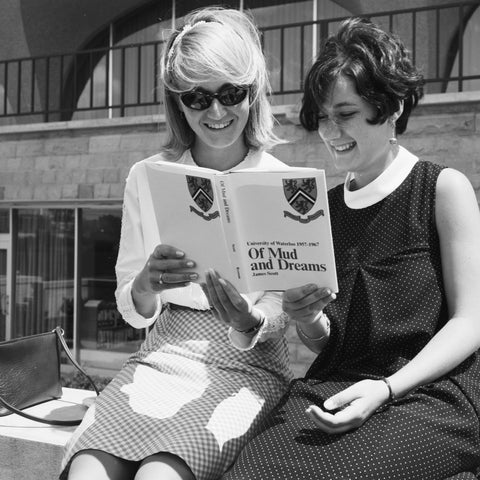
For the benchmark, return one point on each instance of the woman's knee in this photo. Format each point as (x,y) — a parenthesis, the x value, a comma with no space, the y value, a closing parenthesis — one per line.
(165,466)
(100,466)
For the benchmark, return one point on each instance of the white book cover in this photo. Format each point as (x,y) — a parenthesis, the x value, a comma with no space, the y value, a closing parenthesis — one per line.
(261,230)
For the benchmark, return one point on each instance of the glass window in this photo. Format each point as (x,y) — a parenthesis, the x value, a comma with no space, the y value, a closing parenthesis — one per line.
(471,60)
(289,49)
(43,284)
(133,69)
(101,327)
(43,287)
(284,50)
(4,220)
(3,293)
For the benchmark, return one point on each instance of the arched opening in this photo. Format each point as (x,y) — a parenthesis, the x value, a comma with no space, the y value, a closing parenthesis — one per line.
(118,69)
(464,60)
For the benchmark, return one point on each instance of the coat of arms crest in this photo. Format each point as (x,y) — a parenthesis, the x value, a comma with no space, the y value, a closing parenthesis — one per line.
(202,194)
(301,195)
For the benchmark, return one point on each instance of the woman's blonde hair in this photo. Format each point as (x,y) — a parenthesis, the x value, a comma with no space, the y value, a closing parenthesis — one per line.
(216,44)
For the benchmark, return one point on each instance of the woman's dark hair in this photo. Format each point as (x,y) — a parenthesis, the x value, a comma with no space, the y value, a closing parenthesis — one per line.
(379,65)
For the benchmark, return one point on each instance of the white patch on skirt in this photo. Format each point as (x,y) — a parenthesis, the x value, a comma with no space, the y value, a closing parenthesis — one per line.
(169,392)
(234,416)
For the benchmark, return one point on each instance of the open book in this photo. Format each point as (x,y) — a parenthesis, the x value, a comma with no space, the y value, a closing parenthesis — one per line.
(261,230)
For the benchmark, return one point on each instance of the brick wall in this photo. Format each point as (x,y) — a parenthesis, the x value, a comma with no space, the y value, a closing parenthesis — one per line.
(87,161)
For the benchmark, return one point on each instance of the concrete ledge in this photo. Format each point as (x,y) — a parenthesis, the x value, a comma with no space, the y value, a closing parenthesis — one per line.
(33,451)
(140,121)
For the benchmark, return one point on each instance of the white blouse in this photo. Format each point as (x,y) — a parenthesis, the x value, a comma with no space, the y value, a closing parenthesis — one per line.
(140,236)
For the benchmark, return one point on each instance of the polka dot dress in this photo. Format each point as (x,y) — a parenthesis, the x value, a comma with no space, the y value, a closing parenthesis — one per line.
(391,302)
(187,391)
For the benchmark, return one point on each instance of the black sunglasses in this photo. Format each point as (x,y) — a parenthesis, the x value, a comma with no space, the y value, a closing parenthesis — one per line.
(228,96)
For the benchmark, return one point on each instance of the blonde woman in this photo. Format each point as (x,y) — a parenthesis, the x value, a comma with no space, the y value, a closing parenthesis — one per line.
(185,404)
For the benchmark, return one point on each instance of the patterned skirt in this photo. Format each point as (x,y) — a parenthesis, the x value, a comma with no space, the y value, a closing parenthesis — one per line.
(187,391)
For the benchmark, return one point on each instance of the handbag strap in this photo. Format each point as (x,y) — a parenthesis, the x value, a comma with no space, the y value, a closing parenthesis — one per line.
(64,345)
(64,423)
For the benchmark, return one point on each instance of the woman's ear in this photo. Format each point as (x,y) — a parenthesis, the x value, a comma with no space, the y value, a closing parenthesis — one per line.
(395,116)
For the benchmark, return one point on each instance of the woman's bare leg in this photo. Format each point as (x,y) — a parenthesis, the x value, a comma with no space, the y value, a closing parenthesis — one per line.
(165,466)
(99,465)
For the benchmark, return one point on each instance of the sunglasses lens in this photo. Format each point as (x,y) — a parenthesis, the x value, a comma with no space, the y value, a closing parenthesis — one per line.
(232,96)
(228,96)
(196,100)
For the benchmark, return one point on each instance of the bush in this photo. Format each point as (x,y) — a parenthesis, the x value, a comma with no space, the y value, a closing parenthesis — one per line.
(78,380)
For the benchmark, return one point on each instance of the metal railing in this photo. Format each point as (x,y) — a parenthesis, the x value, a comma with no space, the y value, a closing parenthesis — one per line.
(123,80)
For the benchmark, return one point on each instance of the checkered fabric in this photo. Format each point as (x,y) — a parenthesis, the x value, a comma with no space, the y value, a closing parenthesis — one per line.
(187,391)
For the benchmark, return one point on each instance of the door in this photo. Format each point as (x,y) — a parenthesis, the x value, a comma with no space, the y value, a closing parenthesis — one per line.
(5,284)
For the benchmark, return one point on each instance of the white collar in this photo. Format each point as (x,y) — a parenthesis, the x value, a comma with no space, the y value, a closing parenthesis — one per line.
(386,183)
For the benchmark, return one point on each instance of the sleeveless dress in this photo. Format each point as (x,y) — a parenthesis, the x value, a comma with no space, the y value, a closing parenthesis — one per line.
(391,302)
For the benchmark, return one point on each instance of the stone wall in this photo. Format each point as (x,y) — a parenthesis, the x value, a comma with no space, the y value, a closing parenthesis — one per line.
(87,161)
(73,161)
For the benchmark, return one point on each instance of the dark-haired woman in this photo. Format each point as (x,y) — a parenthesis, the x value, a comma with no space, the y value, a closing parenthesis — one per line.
(395,390)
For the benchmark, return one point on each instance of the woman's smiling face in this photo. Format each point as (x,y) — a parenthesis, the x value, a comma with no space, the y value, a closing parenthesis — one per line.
(355,145)
(218,126)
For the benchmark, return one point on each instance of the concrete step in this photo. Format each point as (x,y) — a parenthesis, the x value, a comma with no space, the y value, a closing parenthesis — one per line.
(33,451)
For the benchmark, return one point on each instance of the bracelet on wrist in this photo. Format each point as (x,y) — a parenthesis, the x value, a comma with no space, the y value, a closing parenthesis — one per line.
(315,339)
(253,329)
(311,339)
(391,395)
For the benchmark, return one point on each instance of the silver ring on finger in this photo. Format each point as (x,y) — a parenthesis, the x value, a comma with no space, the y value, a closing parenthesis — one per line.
(161,281)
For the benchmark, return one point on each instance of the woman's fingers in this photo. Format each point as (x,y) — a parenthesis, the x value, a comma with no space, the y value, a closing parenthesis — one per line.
(232,296)
(163,251)
(226,293)
(338,422)
(298,295)
(169,264)
(213,292)
(163,268)
(349,408)
(165,275)
(301,297)
(306,301)
(339,413)
(341,399)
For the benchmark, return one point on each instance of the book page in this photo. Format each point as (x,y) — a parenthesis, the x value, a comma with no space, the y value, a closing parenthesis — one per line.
(283,224)
(188,214)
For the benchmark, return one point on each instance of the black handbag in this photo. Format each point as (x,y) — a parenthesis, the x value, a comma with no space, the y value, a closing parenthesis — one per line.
(30,374)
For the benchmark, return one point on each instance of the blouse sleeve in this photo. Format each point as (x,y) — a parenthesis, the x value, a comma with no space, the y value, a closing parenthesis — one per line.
(275,324)
(131,254)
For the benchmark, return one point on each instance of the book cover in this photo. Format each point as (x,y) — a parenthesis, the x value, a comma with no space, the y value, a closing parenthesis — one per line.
(261,230)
